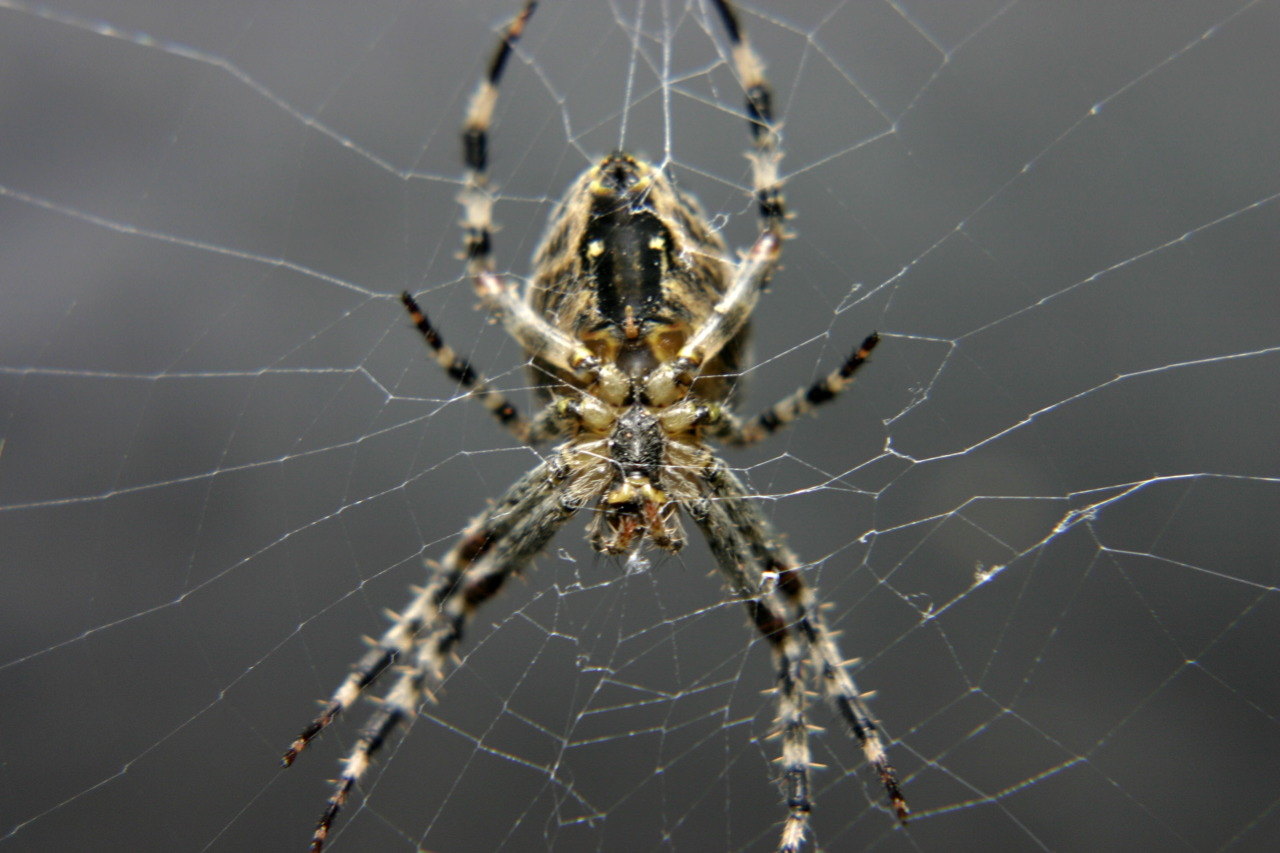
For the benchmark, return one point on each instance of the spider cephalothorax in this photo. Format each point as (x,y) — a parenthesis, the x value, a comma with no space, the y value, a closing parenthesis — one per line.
(635,501)
(634,323)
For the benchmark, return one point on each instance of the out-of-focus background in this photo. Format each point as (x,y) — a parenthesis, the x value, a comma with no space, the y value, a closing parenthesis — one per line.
(1045,518)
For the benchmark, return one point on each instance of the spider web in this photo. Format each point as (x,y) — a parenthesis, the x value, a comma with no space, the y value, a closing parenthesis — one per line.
(1045,518)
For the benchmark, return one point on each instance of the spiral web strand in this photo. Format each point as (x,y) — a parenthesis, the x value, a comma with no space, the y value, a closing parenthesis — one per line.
(1043,518)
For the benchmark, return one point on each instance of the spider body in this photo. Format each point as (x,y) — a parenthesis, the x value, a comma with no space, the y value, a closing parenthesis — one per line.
(634,322)
(629,267)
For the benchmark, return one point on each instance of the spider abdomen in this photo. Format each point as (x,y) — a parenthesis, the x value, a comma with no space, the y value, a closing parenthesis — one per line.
(629,266)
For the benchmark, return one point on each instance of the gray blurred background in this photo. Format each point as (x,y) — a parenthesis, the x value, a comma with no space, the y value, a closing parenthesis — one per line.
(225,451)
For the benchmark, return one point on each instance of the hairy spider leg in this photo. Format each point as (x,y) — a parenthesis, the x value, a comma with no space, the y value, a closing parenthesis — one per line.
(755,270)
(495,546)
(532,331)
(768,554)
(766,180)
(719,522)
(399,639)
(752,274)
(766,153)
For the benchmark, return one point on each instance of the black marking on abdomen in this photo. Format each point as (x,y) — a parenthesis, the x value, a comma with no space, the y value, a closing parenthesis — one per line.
(626,253)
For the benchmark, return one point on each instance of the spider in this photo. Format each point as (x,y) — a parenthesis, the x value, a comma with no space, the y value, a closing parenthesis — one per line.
(637,315)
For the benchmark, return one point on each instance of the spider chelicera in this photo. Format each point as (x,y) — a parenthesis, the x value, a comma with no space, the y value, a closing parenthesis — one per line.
(634,322)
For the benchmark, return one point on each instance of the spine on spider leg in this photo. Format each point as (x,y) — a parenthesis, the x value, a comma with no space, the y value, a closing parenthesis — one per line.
(373,664)
(725,523)
(411,688)
(838,684)
(400,639)
(745,542)
(766,159)
(393,645)
(796,759)
(399,705)
(844,695)
(496,545)
(354,767)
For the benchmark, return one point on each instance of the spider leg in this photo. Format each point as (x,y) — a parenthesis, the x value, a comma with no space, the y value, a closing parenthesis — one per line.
(838,685)
(766,155)
(476,541)
(769,613)
(497,544)
(475,145)
(549,423)
(782,413)
(757,266)
(538,337)
(672,380)
(470,379)
(767,550)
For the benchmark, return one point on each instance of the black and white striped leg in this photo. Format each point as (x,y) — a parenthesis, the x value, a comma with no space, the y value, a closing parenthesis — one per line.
(770,620)
(672,380)
(838,685)
(494,524)
(477,202)
(769,613)
(766,180)
(784,412)
(470,379)
(757,266)
(766,153)
(537,517)
(496,545)
(529,328)
(770,555)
